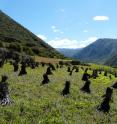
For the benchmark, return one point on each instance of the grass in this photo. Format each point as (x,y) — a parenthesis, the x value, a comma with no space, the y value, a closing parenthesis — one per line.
(36,104)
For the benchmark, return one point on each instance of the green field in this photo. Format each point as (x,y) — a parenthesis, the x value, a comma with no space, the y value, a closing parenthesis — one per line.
(36,104)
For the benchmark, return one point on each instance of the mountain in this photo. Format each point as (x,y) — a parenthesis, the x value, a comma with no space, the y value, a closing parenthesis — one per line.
(100,51)
(112,61)
(14,36)
(68,52)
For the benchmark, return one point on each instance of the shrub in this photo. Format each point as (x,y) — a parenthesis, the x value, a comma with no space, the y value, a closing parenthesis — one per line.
(30,44)
(15,47)
(61,63)
(36,50)
(10,40)
(27,50)
(1,44)
(75,62)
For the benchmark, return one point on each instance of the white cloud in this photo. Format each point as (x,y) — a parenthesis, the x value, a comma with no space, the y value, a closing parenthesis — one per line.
(63,43)
(101,18)
(69,43)
(62,10)
(43,37)
(85,31)
(61,32)
(55,29)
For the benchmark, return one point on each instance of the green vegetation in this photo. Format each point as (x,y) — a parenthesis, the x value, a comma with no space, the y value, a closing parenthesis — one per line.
(14,36)
(112,61)
(35,104)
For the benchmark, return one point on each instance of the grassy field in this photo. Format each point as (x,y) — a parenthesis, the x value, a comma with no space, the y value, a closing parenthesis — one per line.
(49,60)
(36,104)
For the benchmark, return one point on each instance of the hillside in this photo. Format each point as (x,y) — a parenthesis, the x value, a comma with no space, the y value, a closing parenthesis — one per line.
(99,51)
(14,36)
(68,52)
(112,61)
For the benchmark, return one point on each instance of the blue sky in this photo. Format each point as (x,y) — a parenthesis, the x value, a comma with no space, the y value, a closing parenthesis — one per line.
(65,23)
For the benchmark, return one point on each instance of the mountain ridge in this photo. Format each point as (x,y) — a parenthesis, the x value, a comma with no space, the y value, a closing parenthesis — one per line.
(99,51)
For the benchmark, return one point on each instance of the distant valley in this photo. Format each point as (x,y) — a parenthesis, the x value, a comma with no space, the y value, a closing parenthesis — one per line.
(68,52)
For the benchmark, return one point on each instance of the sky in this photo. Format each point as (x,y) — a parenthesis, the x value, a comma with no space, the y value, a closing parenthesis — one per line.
(65,23)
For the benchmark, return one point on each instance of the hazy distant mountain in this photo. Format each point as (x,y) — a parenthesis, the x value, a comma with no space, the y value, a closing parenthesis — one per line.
(100,51)
(68,52)
(14,36)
